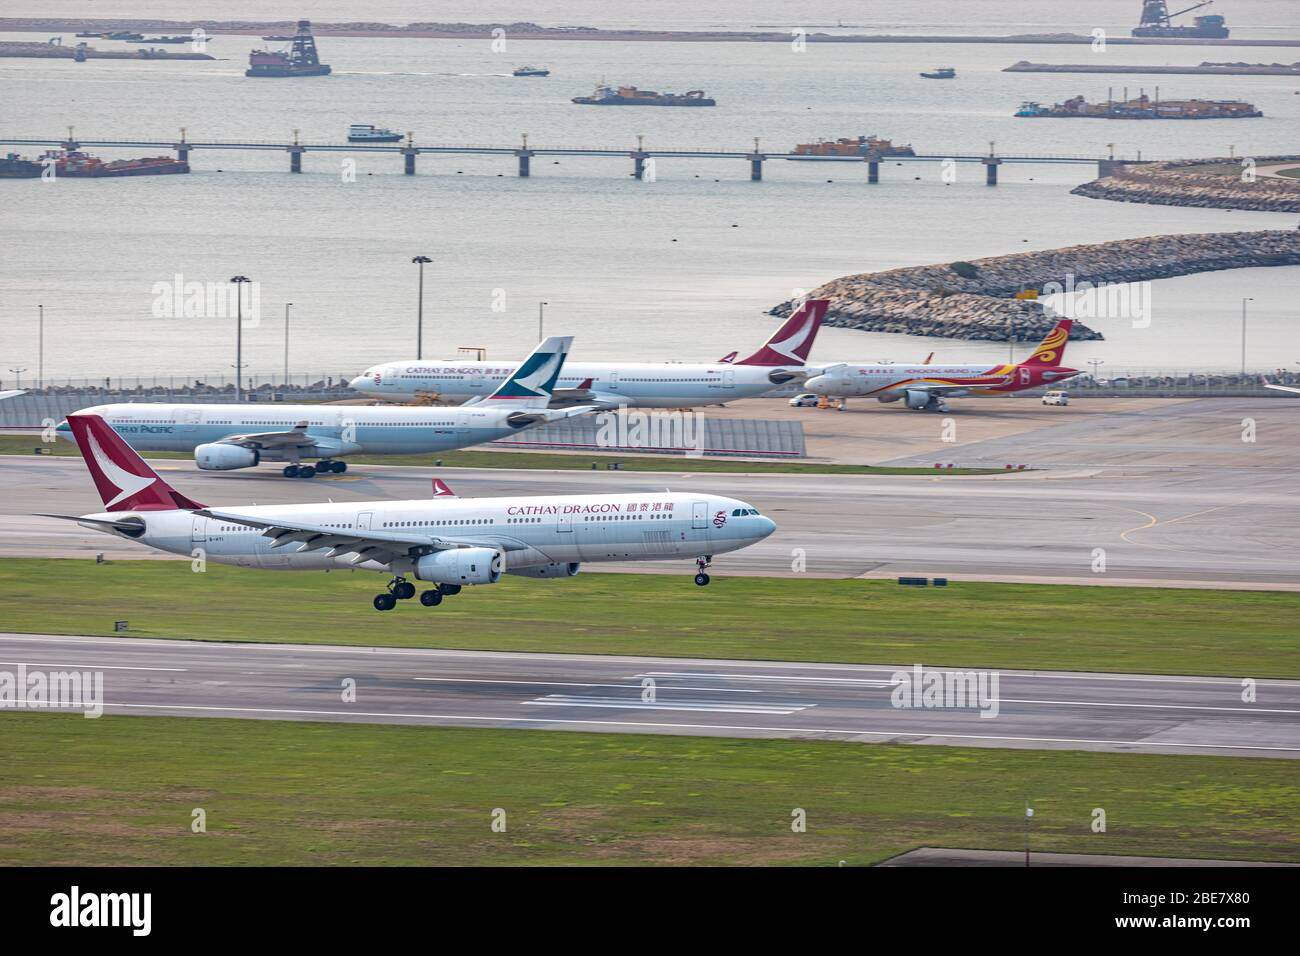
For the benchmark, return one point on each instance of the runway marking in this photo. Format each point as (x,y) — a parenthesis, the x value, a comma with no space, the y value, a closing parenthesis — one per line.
(635,703)
(712,727)
(562,683)
(795,678)
(1092,703)
(96,667)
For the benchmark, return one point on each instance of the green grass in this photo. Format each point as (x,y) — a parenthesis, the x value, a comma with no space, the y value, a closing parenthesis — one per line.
(1147,630)
(121,790)
(23,445)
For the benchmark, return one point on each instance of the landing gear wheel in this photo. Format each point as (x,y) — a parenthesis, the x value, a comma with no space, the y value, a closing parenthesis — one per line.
(385,602)
(403,590)
(306,471)
(323,466)
(448,590)
(701,579)
(431,598)
(290,471)
(338,467)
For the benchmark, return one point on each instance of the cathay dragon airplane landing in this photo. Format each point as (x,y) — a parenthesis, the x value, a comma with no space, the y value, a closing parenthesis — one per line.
(446,541)
(225,437)
(781,360)
(929,386)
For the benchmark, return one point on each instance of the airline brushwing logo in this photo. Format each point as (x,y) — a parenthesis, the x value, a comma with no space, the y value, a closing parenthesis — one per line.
(790,346)
(127,483)
(536,381)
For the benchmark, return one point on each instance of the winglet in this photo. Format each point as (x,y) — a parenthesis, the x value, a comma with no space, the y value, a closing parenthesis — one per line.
(534,380)
(440,489)
(791,343)
(124,481)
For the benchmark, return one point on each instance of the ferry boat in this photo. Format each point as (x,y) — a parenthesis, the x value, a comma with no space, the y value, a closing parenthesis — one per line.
(301,59)
(631,96)
(857,148)
(941,73)
(365,133)
(530,71)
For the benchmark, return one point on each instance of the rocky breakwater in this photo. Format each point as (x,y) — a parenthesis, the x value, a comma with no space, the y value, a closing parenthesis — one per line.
(978,299)
(1227,183)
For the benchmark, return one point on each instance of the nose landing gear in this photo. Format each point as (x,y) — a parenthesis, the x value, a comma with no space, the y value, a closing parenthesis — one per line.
(702,562)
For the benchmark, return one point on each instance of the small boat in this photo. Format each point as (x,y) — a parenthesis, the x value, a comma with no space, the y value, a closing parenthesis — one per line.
(366,133)
(941,73)
(531,71)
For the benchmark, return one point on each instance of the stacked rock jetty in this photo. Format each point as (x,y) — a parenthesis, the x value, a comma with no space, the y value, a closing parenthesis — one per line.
(1227,183)
(977,299)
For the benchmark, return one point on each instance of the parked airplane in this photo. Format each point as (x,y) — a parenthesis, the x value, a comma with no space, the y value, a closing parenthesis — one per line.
(928,386)
(611,384)
(447,541)
(225,437)
(1281,388)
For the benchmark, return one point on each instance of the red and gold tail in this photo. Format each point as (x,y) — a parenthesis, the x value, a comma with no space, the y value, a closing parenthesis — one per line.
(1052,349)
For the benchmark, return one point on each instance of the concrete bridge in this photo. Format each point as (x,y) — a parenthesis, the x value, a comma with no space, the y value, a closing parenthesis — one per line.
(524,153)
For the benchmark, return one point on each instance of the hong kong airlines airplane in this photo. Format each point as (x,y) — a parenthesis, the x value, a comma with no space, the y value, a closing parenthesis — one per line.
(781,360)
(225,437)
(928,386)
(446,541)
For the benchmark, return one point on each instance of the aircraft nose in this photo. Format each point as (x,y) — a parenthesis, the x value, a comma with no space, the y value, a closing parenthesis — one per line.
(360,382)
(765,526)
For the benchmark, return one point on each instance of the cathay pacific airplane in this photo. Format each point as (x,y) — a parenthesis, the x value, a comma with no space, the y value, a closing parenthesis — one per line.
(781,360)
(446,541)
(929,387)
(224,437)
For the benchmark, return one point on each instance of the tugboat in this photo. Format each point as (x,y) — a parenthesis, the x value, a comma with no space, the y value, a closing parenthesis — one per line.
(850,149)
(14,166)
(74,164)
(941,73)
(365,133)
(631,96)
(300,59)
(531,71)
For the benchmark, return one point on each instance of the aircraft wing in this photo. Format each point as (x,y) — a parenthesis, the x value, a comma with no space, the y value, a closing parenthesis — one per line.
(1282,388)
(366,545)
(548,415)
(297,437)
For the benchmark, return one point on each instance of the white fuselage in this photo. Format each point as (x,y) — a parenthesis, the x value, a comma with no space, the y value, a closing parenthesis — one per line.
(337,430)
(530,532)
(651,385)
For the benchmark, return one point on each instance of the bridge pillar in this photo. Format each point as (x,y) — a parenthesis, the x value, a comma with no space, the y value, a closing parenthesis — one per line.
(991,164)
(182,152)
(408,158)
(638,164)
(873,170)
(525,167)
(756,168)
(295,159)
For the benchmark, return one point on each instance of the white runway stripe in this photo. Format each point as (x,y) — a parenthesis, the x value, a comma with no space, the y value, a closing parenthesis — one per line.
(635,703)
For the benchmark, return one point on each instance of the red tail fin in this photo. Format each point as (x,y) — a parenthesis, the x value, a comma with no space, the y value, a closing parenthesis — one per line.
(440,489)
(1052,349)
(791,343)
(124,481)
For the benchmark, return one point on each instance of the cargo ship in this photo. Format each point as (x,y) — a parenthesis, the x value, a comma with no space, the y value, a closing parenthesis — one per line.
(631,96)
(858,148)
(1157,21)
(1142,107)
(301,59)
(74,164)
(14,166)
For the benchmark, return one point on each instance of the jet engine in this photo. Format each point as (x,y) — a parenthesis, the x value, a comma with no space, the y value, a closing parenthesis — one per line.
(549,570)
(218,456)
(916,398)
(461,566)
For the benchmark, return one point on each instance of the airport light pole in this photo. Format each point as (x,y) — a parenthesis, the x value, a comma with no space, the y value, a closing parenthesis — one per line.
(1243,337)
(541,306)
(239,335)
(40,346)
(18,372)
(1095,363)
(421,261)
(287,306)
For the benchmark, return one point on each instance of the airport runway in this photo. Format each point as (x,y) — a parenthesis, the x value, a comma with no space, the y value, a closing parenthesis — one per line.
(1170,494)
(1039,710)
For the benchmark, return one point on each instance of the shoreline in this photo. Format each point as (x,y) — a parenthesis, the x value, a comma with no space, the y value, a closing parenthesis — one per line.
(532,31)
(1204,69)
(1204,183)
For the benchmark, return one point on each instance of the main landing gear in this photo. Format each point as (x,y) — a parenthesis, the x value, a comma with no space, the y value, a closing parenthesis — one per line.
(311,471)
(400,589)
(702,562)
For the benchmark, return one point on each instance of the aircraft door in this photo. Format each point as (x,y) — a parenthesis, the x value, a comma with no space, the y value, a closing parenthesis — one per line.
(199,532)
(363,520)
(699,515)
